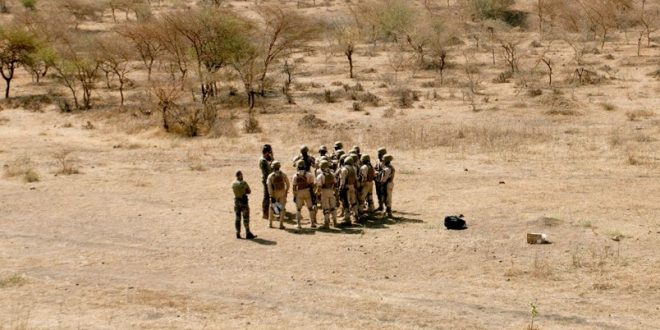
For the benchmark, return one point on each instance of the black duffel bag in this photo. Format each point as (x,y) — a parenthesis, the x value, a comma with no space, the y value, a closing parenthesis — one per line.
(455,222)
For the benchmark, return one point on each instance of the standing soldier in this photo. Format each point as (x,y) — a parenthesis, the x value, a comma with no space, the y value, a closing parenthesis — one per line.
(348,186)
(338,147)
(325,182)
(339,193)
(241,205)
(387,180)
(265,167)
(278,188)
(305,157)
(367,176)
(379,172)
(303,191)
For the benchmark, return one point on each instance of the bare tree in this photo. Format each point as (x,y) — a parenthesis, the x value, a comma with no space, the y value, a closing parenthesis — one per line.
(347,35)
(115,56)
(144,37)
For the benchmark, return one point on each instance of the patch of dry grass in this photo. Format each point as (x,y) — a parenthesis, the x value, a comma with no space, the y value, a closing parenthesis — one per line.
(15,280)
(608,106)
(636,115)
(22,166)
(66,163)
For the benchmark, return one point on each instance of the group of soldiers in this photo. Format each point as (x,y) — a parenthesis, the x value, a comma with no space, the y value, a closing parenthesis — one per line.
(341,180)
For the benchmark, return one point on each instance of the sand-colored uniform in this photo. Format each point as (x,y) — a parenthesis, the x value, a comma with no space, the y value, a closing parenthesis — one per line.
(325,182)
(241,190)
(309,161)
(348,184)
(303,189)
(387,180)
(367,176)
(278,187)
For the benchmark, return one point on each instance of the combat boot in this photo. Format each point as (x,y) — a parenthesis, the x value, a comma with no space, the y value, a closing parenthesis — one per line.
(380,207)
(249,235)
(238,235)
(389,212)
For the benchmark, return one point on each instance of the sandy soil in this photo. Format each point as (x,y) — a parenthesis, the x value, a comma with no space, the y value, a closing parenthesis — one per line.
(143,236)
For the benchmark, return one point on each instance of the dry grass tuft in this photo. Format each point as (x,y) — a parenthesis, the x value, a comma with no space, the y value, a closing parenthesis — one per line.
(608,106)
(389,113)
(29,102)
(67,166)
(4,120)
(639,114)
(15,280)
(22,166)
(251,125)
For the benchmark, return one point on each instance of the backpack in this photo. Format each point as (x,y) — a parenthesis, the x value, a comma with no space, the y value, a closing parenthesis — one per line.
(453,222)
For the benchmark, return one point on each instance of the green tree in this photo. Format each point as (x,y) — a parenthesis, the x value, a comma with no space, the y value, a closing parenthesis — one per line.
(16,48)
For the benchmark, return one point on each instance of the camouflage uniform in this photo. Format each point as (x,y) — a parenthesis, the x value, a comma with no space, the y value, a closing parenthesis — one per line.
(325,182)
(265,167)
(303,191)
(387,180)
(241,191)
(348,185)
(367,176)
(308,160)
(278,187)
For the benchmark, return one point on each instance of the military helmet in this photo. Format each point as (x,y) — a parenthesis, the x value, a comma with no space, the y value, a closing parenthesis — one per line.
(340,153)
(357,149)
(365,158)
(343,157)
(324,158)
(324,165)
(266,148)
(382,151)
(339,145)
(388,158)
(304,149)
(300,165)
(323,148)
(276,165)
(349,161)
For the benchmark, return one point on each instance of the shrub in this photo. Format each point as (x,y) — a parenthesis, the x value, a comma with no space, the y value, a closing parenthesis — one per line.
(534,92)
(311,121)
(407,97)
(357,106)
(29,4)
(503,77)
(31,176)
(608,106)
(251,125)
(389,113)
(67,166)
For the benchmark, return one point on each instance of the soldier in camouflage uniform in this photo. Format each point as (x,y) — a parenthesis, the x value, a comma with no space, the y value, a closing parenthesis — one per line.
(367,176)
(265,167)
(278,188)
(379,171)
(387,180)
(325,183)
(303,192)
(308,160)
(338,146)
(348,186)
(241,205)
(339,194)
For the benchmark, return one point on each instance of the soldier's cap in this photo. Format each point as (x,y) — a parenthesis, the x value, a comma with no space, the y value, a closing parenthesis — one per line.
(324,164)
(323,148)
(300,165)
(382,151)
(276,165)
(348,161)
(266,148)
(388,158)
(304,149)
(339,145)
(365,158)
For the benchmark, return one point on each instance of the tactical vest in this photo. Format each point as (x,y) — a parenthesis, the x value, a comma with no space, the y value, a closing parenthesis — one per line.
(301,182)
(371,174)
(329,181)
(350,178)
(278,181)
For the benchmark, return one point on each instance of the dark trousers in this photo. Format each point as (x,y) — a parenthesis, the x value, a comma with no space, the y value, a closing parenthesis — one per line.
(379,193)
(242,210)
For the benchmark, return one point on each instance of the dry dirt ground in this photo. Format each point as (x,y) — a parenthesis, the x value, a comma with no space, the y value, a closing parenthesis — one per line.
(142,236)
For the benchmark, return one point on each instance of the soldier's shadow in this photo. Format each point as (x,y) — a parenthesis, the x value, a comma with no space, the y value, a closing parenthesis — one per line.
(262,241)
(377,221)
(301,231)
(342,230)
